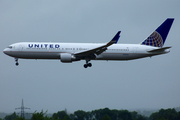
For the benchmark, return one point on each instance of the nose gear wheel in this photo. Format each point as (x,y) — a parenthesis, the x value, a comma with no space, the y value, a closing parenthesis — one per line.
(16,60)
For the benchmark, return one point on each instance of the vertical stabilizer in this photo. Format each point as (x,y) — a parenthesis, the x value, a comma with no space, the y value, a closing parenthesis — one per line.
(158,37)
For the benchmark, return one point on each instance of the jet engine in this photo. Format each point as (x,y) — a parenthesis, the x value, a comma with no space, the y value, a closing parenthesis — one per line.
(67,58)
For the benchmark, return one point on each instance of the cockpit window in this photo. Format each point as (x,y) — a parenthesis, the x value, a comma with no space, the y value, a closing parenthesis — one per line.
(10,47)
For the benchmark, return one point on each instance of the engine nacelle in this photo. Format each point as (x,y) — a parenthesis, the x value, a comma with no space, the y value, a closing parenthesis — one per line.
(67,57)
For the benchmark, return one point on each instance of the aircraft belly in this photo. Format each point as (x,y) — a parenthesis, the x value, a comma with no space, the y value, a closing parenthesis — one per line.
(35,55)
(120,56)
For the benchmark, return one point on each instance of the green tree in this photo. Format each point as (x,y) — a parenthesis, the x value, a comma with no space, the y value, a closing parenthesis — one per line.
(19,118)
(116,114)
(11,117)
(136,116)
(80,115)
(61,115)
(106,117)
(40,116)
(169,114)
(72,116)
(124,115)
(99,114)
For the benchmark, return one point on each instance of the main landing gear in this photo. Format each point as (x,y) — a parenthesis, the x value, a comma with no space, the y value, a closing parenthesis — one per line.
(16,60)
(87,64)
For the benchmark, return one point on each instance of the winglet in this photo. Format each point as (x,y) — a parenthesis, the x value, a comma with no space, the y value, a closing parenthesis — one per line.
(115,38)
(100,49)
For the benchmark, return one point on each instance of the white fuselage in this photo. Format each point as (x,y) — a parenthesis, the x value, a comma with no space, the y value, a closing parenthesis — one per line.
(41,50)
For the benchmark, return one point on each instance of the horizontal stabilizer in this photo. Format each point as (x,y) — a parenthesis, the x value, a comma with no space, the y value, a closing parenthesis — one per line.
(159,50)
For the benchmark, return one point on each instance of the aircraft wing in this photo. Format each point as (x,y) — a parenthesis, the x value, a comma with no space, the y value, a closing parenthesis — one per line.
(96,51)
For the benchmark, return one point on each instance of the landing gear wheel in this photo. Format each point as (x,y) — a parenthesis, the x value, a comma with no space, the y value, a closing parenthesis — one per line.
(89,64)
(16,60)
(17,64)
(85,66)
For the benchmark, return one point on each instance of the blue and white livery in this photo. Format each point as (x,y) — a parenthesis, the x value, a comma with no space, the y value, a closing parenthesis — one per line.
(70,52)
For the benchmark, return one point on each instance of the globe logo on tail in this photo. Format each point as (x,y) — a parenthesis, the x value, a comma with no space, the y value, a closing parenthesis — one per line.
(154,39)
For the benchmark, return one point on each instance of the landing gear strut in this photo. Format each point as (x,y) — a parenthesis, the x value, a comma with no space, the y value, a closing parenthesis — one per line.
(16,60)
(87,64)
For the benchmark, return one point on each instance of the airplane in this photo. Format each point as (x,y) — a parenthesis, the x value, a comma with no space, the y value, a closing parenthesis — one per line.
(70,52)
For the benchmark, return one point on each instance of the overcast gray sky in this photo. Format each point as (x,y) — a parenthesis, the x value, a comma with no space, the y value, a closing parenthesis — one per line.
(51,85)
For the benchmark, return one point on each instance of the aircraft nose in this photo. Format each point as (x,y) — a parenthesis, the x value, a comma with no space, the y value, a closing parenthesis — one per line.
(5,51)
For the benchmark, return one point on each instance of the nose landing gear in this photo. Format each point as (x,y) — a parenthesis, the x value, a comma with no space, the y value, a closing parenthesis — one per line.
(16,60)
